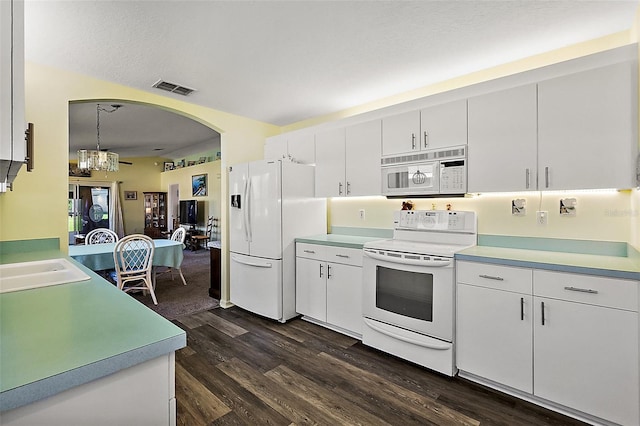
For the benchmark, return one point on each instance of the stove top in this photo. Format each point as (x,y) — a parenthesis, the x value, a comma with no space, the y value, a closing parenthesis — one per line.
(430,232)
(418,247)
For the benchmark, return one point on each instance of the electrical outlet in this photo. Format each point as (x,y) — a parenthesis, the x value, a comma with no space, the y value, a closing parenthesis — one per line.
(542,217)
(361,212)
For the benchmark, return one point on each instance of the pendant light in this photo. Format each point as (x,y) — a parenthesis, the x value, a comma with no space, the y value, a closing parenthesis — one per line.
(89,159)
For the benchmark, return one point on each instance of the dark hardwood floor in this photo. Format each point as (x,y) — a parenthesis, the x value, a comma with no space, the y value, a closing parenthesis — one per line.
(241,369)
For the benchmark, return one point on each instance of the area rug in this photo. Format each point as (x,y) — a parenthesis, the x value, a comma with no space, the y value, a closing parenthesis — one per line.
(176,299)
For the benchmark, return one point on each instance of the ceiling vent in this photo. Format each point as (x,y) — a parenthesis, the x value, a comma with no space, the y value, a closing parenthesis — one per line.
(173,88)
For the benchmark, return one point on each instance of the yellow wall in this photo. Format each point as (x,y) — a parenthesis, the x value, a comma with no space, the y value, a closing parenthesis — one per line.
(182,177)
(37,207)
(600,216)
(142,176)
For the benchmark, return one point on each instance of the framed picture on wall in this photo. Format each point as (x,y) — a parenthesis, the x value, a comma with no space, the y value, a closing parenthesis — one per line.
(168,165)
(199,185)
(130,195)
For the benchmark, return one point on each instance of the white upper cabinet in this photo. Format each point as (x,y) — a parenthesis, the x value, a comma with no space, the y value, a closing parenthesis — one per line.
(330,163)
(13,149)
(587,124)
(348,161)
(299,147)
(362,151)
(401,133)
(435,127)
(502,146)
(444,125)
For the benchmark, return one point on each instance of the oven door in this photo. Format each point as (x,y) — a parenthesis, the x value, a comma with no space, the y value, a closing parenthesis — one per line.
(414,297)
(408,179)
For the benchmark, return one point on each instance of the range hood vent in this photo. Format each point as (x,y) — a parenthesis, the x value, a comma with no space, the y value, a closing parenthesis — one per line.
(173,88)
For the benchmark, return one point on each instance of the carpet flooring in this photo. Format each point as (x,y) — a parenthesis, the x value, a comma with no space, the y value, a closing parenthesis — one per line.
(174,298)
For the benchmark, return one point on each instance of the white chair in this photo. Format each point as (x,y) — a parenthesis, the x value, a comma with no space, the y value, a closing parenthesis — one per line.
(133,257)
(101,236)
(179,235)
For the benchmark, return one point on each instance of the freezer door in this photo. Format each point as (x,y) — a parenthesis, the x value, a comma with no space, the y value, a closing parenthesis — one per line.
(265,209)
(256,285)
(238,208)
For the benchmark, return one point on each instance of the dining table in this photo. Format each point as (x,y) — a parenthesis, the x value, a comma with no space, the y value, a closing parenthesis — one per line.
(99,257)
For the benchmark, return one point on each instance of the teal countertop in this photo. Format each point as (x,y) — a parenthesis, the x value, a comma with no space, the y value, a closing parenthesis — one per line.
(55,338)
(627,267)
(338,240)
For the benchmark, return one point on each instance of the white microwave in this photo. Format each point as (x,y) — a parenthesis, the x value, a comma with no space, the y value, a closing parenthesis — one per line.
(431,173)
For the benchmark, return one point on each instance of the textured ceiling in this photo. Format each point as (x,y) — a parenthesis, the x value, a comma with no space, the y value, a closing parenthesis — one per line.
(285,61)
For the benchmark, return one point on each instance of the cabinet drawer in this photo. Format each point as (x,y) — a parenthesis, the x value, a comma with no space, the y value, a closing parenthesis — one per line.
(310,251)
(601,291)
(346,256)
(499,277)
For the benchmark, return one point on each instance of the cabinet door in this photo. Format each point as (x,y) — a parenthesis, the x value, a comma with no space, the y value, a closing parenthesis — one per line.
(362,158)
(344,297)
(494,335)
(311,289)
(275,148)
(503,140)
(444,125)
(302,148)
(586,357)
(330,163)
(401,133)
(587,128)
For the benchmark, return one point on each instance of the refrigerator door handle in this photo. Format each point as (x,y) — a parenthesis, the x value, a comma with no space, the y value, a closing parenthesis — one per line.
(256,264)
(248,211)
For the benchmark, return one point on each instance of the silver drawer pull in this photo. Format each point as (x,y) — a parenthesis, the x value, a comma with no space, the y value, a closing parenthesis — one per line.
(582,290)
(490,277)
(342,255)
(309,251)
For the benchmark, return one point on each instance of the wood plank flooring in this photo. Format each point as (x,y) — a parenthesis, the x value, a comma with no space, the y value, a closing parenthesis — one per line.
(241,369)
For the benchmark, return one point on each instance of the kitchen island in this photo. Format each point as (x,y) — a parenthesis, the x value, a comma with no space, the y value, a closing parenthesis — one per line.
(82,352)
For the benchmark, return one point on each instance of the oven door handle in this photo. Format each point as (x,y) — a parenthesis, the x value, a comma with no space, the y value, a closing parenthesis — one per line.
(404,261)
(442,347)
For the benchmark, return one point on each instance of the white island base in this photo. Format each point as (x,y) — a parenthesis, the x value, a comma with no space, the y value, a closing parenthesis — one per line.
(140,395)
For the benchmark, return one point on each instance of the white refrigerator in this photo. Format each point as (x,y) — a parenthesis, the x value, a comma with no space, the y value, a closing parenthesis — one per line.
(272,203)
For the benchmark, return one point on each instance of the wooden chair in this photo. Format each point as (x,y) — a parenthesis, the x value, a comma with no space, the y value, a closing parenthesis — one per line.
(101,236)
(133,257)
(178,235)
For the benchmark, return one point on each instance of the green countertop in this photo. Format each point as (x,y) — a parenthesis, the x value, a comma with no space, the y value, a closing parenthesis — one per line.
(627,267)
(54,338)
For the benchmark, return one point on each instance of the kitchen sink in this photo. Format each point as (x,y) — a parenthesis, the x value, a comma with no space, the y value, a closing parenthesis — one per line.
(39,273)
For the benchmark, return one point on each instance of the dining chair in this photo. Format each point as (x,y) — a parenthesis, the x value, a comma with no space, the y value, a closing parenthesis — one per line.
(179,235)
(133,257)
(101,236)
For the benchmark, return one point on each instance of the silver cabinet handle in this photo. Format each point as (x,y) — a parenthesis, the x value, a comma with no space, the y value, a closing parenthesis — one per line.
(546,177)
(328,271)
(426,139)
(342,255)
(542,308)
(528,173)
(309,251)
(490,277)
(339,188)
(348,188)
(522,309)
(582,290)
(321,265)
(413,141)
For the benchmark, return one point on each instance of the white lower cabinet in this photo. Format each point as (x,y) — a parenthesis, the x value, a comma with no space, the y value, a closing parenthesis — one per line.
(329,286)
(571,339)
